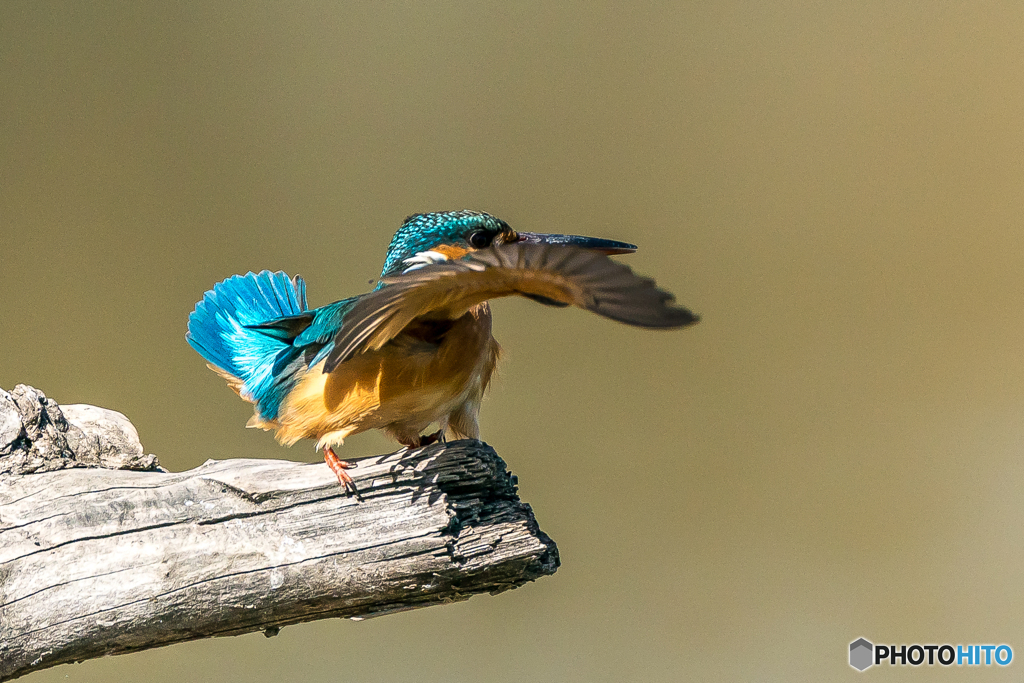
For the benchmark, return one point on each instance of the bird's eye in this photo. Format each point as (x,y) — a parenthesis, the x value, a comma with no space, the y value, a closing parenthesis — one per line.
(480,239)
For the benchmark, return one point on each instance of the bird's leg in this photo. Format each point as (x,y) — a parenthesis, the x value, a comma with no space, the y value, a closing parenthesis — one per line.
(432,438)
(338,466)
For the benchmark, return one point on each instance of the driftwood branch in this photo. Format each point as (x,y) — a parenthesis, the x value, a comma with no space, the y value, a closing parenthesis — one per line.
(97,561)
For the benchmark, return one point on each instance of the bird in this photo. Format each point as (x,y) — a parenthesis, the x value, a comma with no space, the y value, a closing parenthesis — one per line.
(417,350)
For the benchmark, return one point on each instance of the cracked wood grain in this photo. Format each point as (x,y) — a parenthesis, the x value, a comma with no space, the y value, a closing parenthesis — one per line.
(98,561)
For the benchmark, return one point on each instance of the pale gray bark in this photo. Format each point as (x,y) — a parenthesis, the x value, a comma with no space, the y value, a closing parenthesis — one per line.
(97,561)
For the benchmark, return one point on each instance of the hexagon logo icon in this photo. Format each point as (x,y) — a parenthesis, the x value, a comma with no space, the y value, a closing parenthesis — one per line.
(861,654)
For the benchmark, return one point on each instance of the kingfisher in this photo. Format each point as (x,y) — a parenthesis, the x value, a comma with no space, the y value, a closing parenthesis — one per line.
(416,351)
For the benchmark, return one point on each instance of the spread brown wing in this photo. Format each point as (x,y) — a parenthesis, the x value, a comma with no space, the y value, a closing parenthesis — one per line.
(554,274)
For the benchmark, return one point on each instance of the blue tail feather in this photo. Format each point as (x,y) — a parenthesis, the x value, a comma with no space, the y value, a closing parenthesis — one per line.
(220,329)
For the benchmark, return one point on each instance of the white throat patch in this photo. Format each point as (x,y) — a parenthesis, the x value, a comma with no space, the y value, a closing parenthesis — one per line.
(424,258)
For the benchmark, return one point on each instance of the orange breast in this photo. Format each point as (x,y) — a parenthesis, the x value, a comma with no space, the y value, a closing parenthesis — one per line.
(403,387)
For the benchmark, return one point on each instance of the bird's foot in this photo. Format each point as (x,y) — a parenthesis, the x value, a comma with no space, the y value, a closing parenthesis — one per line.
(338,466)
(428,439)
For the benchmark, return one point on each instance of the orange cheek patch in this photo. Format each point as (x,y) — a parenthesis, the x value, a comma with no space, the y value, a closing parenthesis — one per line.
(451,252)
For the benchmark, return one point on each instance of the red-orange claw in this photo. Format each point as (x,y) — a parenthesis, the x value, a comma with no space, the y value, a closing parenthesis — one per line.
(338,466)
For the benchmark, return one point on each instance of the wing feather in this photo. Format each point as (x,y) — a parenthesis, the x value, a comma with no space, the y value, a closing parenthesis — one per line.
(556,273)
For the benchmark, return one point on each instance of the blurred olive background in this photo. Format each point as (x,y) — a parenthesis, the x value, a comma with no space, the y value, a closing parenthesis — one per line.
(834,451)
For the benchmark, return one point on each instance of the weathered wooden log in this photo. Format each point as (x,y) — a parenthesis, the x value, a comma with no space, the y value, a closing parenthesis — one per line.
(96,561)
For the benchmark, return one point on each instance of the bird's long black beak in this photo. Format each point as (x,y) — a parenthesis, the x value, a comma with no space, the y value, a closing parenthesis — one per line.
(595,243)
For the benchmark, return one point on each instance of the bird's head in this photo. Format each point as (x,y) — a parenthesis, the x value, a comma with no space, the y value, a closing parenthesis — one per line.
(426,238)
